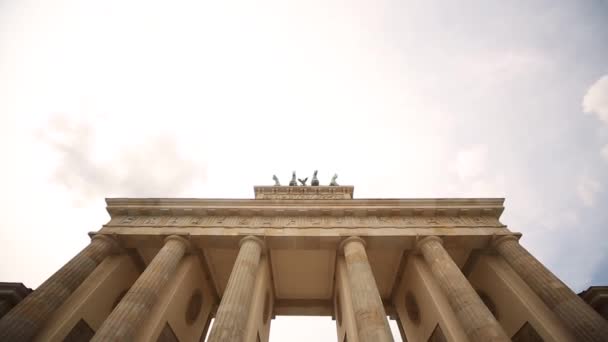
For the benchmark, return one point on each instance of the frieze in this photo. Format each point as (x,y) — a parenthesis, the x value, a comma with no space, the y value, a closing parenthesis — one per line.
(305,221)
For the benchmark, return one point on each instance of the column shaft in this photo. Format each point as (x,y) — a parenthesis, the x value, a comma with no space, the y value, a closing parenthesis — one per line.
(476,319)
(372,324)
(29,316)
(345,314)
(131,312)
(579,317)
(232,314)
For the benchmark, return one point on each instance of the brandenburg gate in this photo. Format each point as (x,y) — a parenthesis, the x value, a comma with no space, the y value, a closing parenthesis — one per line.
(445,269)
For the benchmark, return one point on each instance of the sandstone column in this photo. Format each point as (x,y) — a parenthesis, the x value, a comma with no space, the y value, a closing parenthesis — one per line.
(476,319)
(131,312)
(232,314)
(28,317)
(372,324)
(579,317)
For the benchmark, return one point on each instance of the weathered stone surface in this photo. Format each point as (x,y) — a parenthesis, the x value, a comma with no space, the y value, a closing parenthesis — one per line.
(372,221)
(477,321)
(231,318)
(26,319)
(583,321)
(372,324)
(304,192)
(125,320)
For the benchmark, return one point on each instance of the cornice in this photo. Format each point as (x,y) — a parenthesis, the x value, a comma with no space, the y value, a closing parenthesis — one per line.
(492,207)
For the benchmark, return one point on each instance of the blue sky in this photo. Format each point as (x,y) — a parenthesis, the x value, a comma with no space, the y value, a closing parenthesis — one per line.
(401,98)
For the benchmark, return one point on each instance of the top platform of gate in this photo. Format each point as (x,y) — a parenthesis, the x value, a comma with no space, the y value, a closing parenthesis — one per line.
(304,192)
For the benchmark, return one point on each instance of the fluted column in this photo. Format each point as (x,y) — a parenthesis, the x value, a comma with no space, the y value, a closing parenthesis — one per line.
(372,324)
(476,319)
(24,321)
(125,320)
(231,318)
(579,317)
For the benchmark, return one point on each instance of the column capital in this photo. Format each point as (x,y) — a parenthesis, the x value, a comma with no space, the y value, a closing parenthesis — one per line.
(108,239)
(499,239)
(255,239)
(426,239)
(182,239)
(349,240)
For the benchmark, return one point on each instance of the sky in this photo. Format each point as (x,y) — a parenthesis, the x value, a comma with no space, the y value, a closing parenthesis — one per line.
(403,99)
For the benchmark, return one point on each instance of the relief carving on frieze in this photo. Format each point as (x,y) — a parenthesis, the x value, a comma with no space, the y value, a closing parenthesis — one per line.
(372,221)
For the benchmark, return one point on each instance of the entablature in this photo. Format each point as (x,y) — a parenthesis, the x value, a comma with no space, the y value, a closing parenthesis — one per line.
(356,207)
(305,213)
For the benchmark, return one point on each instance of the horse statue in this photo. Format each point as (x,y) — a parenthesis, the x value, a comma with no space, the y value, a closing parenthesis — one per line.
(276,180)
(315,180)
(293,182)
(333,180)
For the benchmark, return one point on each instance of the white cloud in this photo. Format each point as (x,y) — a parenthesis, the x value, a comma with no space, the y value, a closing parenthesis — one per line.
(497,67)
(473,174)
(596,99)
(146,167)
(587,189)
